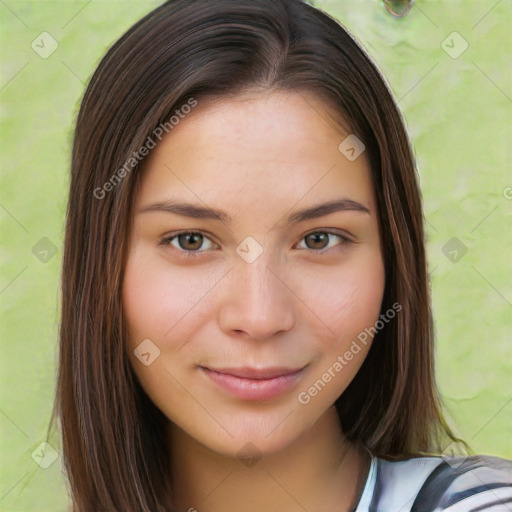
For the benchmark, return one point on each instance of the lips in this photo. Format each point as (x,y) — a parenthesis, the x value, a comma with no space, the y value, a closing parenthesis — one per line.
(256,373)
(254,384)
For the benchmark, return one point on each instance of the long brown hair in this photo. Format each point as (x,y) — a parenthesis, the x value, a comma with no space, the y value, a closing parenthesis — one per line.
(112,434)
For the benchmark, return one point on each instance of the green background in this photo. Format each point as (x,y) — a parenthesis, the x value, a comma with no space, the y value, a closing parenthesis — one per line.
(458,112)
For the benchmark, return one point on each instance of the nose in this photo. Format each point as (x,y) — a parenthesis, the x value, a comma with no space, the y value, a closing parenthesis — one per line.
(256,301)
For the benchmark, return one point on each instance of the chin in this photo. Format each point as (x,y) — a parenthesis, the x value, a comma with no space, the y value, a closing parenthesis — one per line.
(249,449)
(262,437)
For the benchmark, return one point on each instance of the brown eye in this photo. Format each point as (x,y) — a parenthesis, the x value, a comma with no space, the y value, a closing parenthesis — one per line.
(320,240)
(317,240)
(189,242)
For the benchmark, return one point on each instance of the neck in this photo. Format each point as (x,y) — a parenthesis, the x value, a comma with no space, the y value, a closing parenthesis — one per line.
(319,471)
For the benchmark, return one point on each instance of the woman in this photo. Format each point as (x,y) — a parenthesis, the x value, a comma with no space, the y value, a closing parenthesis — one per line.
(246,318)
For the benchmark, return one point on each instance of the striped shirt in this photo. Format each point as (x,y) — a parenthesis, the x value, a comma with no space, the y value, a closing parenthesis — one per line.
(476,483)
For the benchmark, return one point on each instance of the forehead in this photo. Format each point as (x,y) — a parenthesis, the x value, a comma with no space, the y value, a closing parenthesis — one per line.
(254,150)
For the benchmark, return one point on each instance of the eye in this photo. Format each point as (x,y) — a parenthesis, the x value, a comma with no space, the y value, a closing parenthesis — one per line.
(189,242)
(319,240)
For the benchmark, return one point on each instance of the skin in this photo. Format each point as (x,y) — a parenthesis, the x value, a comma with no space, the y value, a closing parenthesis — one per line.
(258,157)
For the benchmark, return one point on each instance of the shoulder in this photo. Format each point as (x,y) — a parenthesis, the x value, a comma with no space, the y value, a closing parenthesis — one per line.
(434,484)
(464,484)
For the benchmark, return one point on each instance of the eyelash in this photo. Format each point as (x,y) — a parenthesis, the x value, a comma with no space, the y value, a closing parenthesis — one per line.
(195,254)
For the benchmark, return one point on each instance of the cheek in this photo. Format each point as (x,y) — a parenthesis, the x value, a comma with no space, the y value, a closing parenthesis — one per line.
(157,302)
(143,299)
(345,299)
(157,297)
(349,303)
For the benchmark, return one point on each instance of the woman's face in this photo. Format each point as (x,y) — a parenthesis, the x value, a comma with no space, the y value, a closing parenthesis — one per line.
(246,329)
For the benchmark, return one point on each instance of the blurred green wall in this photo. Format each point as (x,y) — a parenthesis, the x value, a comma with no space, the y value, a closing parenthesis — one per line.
(457,103)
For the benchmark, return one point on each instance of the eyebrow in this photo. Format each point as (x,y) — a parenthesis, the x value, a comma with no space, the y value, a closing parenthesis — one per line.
(201,212)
